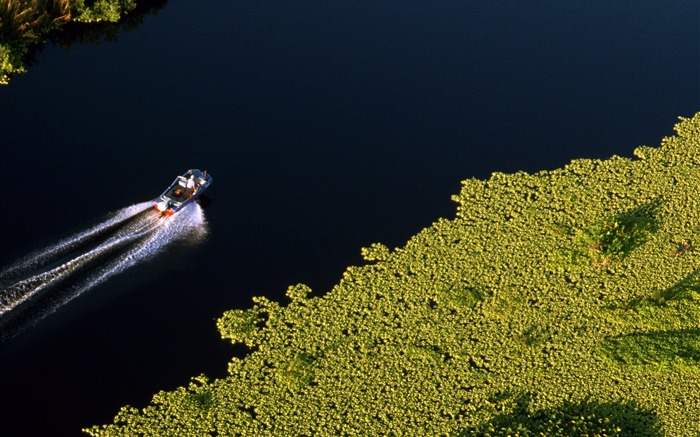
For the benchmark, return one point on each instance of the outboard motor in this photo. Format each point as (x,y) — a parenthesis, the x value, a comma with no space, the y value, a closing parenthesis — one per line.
(162,206)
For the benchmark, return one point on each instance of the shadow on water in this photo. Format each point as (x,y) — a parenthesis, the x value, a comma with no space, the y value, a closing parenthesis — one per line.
(572,419)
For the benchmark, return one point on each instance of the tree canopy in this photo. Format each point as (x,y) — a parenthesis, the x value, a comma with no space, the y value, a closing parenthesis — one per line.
(24,23)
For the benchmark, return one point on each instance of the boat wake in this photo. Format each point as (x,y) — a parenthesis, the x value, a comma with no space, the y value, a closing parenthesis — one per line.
(88,258)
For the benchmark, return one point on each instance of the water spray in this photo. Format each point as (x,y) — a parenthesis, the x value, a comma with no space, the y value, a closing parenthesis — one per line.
(131,233)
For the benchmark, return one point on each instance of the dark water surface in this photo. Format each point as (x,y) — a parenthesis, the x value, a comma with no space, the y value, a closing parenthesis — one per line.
(326,125)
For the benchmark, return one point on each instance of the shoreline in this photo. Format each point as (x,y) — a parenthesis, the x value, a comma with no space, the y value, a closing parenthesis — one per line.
(569,293)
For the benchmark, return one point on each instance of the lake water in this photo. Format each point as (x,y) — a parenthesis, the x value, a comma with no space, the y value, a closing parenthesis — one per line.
(326,125)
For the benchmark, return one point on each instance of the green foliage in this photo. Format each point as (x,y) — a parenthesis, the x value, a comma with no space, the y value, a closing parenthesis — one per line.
(480,326)
(465,296)
(376,252)
(679,348)
(614,238)
(298,292)
(298,371)
(686,289)
(239,326)
(25,22)
(570,419)
(9,64)
(101,10)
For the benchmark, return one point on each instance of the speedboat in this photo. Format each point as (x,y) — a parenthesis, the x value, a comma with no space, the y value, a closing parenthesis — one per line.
(183,191)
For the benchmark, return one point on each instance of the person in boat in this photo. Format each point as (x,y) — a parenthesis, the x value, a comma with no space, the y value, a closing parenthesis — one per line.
(191,186)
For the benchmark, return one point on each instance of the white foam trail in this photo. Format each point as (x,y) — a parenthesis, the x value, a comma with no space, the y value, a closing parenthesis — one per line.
(43,256)
(27,288)
(148,237)
(189,224)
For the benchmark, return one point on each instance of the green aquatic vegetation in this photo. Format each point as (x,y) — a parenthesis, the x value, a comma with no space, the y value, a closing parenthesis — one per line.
(613,238)
(687,288)
(572,420)
(662,348)
(463,295)
(672,305)
(499,321)
(618,237)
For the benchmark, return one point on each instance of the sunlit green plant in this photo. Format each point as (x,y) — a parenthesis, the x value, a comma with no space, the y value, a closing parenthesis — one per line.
(610,240)
(570,419)
(614,238)
(101,10)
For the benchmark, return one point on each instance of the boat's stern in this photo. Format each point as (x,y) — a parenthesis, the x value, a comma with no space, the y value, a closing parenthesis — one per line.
(163,207)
